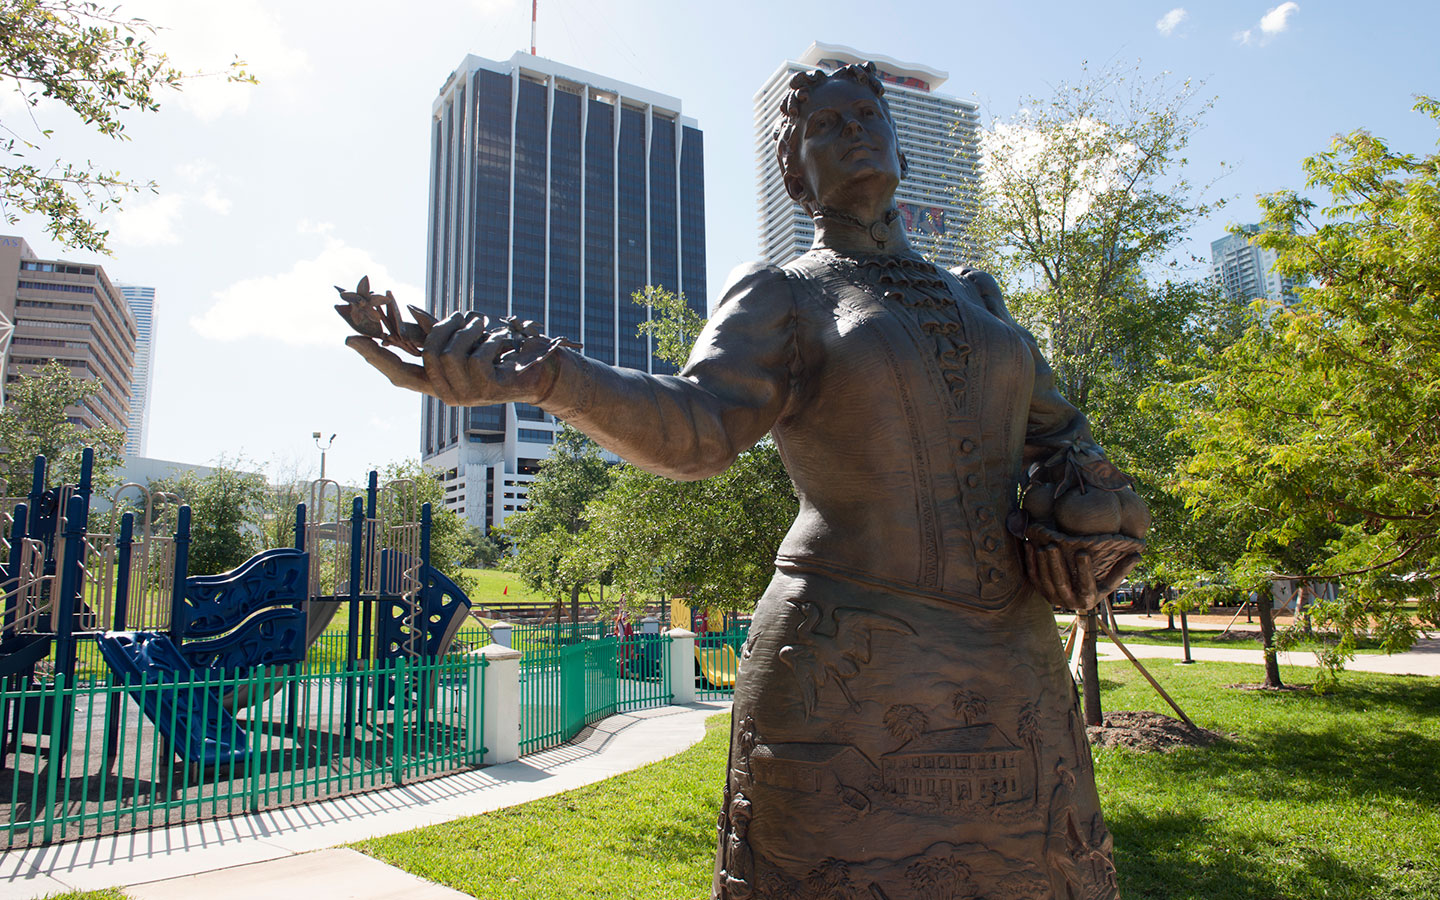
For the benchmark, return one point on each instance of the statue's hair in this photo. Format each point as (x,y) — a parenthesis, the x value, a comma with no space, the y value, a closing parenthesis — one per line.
(786,132)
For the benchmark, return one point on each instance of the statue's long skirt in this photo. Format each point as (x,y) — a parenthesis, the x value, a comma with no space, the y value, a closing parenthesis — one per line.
(894,746)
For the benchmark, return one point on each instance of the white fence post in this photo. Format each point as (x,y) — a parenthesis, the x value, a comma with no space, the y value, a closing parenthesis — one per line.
(682,665)
(497,704)
(500,634)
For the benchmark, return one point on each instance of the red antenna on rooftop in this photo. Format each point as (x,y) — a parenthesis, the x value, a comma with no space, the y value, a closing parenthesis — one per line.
(534,12)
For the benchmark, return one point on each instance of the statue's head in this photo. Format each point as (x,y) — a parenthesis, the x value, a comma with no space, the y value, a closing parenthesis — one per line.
(794,107)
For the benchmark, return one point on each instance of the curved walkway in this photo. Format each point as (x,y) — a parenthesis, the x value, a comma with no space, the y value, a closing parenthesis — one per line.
(1422,659)
(247,856)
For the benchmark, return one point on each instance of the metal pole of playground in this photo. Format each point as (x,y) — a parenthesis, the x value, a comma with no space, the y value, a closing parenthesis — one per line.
(316,436)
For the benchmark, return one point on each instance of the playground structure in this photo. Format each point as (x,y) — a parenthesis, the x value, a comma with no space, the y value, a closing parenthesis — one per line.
(716,643)
(126,591)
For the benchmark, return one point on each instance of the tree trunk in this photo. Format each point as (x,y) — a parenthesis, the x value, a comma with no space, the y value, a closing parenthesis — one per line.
(1090,672)
(575,611)
(1185,635)
(1267,638)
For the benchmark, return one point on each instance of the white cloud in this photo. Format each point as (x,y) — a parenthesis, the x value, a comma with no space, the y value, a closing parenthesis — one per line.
(1048,161)
(1272,23)
(1167,23)
(148,221)
(296,307)
(495,7)
(147,224)
(206,37)
(214,201)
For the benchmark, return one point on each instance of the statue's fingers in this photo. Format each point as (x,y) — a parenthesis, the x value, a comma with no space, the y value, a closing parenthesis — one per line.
(444,330)
(1085,588)
(1117,574)
(401,373)
(455,361)
(437,349)
(1060,575)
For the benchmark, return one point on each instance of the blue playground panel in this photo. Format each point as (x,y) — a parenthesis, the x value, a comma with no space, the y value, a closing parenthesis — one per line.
(189,712)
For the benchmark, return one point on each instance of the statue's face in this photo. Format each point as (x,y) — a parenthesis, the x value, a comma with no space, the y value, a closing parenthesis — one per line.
(849,156)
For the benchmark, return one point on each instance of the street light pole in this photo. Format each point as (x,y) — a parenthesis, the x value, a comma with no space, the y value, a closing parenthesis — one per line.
(316,436)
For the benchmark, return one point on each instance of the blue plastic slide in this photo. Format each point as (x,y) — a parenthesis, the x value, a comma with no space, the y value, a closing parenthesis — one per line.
(186,710)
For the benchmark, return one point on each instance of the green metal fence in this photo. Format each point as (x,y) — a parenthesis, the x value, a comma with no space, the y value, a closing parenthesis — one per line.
(566,686)
(717,662)
(102,757)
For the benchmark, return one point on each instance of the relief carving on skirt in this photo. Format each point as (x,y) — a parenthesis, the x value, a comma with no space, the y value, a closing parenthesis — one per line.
(836,653)
(945,871)
(1077,852)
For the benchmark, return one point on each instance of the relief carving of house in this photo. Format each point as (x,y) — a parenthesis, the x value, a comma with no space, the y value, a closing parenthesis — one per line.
(957,767)
(809,768)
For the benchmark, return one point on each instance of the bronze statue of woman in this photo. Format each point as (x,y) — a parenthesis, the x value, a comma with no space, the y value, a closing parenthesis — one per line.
(904,721)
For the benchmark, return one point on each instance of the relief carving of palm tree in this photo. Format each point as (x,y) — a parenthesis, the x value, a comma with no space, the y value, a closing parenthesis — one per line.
(906,722)
(940,878)
(1029,732)
(968,705)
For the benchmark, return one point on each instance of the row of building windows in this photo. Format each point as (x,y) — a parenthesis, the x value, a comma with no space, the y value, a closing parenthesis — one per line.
(40,323)
(30,265)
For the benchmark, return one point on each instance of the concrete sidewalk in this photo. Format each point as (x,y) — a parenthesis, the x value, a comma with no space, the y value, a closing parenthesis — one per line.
(1422,659)
(260,855)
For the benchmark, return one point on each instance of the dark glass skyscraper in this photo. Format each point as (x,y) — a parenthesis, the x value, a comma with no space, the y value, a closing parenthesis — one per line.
(554,195)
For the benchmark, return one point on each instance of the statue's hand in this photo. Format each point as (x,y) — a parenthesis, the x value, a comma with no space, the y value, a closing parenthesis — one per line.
(1073,584)
(467,361)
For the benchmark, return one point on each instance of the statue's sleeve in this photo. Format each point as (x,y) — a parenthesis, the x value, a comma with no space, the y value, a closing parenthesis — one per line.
(1053,423)
(692,425)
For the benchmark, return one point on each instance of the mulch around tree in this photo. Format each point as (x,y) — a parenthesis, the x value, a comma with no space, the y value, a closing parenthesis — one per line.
(1150,732)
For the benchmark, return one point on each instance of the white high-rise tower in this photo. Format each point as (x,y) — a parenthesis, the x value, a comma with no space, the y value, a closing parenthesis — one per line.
(141,301)
(940,136)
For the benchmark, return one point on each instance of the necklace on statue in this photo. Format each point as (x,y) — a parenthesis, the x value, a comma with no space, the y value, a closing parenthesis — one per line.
(879,230)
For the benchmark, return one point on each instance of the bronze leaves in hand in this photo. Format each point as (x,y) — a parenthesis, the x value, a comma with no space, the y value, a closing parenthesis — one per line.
(467,358)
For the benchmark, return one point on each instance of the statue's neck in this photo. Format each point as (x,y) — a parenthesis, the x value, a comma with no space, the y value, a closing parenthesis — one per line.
(842,231)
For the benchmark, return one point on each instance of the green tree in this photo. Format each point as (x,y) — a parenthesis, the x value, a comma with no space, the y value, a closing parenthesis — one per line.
(1321,427)
(36,421)
(711,541)
(1084,205)
(225,507)
(546,534)
(101,66)
(672,327)
(1084,195)
(407,485)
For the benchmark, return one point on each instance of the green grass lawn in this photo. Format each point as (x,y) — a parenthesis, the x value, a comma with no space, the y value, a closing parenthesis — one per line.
(649,833)
(490,586)
(1329,796)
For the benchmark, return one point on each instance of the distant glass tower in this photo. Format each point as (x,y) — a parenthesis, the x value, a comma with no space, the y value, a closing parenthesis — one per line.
(141,301)
(939,135)
(555,193)
(1246,272)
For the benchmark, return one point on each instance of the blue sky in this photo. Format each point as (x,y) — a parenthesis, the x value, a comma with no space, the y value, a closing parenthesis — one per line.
(270,194)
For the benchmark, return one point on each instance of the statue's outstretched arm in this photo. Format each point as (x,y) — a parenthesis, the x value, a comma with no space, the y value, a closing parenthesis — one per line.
(685,426)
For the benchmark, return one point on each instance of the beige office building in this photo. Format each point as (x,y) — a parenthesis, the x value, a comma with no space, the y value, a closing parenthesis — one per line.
(72,313)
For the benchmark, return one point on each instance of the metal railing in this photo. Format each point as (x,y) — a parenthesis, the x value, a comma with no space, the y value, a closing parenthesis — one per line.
(106,757)
(564,687)
(717,662)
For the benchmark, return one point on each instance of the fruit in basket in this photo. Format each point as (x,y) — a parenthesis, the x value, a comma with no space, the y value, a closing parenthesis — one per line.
(1134,514)
(1088,512)
(1039,501)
